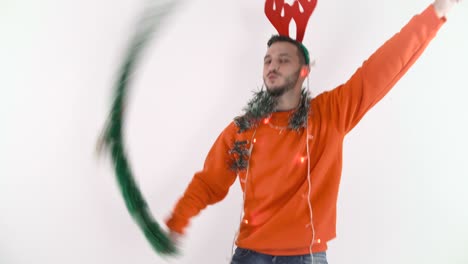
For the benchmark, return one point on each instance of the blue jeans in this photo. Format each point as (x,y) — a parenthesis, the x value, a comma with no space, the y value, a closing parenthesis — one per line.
(246,256)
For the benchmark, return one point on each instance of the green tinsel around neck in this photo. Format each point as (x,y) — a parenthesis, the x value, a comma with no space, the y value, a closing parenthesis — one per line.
(262,105)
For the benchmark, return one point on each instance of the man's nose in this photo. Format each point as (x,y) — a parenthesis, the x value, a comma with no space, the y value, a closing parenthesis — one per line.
(273,66)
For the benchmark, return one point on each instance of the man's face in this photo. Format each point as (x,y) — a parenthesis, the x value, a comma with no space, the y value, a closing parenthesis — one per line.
(281,68)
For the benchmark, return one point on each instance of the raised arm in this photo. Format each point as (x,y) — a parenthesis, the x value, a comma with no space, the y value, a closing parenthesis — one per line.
(348,103)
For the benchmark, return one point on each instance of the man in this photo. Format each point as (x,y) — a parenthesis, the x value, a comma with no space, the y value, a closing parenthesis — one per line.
(286,149)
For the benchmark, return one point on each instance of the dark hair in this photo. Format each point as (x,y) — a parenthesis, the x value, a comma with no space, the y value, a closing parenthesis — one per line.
(303,53)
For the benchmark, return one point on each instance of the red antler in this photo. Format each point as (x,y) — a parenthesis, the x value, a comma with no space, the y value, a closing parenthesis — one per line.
(302,18)
(273,10)
(280,15)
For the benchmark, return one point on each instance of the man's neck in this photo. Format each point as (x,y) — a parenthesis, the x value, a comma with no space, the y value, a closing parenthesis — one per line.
(289,101)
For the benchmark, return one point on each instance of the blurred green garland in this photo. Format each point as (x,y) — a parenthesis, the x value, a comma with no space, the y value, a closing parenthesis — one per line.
(112,138)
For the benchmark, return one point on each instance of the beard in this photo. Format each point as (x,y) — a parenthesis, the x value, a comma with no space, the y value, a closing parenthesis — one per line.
(290,82)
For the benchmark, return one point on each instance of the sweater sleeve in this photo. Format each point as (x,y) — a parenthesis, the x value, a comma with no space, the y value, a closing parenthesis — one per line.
(348,103)
(208,186)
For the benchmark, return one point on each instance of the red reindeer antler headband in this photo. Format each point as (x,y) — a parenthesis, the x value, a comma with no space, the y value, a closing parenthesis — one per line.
(280,14)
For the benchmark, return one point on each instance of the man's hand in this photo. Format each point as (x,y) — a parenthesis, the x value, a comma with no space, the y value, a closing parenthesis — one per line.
(175,238)
(442,7)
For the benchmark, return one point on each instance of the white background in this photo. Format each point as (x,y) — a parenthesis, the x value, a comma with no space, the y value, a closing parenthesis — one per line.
(404,191)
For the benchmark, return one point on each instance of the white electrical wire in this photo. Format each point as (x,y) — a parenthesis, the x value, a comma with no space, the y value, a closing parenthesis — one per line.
(309,180)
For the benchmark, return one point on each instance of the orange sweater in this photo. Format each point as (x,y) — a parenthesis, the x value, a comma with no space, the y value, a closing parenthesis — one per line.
(277,219)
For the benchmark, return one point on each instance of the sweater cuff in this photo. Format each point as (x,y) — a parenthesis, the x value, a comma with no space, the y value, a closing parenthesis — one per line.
(431,16)
(176,224)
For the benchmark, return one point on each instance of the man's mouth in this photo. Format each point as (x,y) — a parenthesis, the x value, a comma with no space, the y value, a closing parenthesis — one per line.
(272,76)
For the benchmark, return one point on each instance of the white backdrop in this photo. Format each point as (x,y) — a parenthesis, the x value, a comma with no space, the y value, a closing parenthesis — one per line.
(403,195)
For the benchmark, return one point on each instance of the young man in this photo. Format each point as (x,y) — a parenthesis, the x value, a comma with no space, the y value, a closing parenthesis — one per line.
(287,148)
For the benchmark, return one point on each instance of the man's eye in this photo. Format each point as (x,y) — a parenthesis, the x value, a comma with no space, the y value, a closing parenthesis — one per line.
(267,62)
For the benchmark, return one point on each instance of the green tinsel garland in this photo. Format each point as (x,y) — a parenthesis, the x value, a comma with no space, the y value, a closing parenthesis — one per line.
(262,105)
(112,137)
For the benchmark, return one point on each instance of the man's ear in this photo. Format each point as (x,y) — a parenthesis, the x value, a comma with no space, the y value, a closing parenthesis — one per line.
(305,71)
